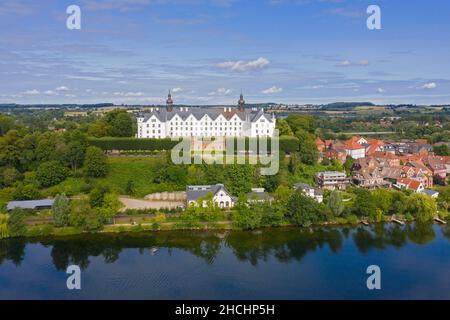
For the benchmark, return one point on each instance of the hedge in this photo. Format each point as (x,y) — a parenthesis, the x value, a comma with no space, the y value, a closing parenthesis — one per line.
(288,144)
(132,144)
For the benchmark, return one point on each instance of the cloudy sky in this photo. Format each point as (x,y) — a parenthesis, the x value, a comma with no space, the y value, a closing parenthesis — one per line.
(207,51)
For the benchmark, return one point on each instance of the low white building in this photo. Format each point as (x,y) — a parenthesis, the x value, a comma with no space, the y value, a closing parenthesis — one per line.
(220,195)
(316,194)
(170,122)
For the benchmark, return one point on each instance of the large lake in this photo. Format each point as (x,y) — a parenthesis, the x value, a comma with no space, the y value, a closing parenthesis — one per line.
(284,263)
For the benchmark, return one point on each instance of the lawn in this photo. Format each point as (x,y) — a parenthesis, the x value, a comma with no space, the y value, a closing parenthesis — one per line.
(140,170)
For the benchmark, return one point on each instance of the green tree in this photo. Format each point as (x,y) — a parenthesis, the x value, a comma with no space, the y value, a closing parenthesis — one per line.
(239,178)
(243,216)
(308,152)
(83,216)
(283,127)
(383,199)
(4,232)
(303,210)
(74,155)
(130,188)
(364,203)
(98,129)
(9,176)
(422,207)
(441,150)
(61,211)
(16,223)
(120,123)
(97,195)
(335,203)
(348,165)
(111,206)
(95,163)
(51,173)
(12,147)
(26,192)
(6,124)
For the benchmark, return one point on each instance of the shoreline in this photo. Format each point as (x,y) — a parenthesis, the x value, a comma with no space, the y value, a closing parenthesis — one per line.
(225,225)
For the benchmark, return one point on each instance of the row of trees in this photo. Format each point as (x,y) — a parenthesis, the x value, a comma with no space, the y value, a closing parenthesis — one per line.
(30,161)
(293,207)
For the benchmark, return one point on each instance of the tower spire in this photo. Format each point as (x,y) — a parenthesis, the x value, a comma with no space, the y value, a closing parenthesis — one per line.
(169,102)
(241,103)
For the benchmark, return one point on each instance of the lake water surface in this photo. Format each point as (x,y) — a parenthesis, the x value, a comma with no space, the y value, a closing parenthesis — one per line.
(284,263)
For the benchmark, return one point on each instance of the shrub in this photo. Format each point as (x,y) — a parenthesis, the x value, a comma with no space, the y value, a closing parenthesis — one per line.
(95,163)
(51,173)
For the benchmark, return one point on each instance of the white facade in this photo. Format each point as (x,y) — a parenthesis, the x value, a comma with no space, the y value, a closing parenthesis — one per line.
(356,153)
(220,196)
(169,122)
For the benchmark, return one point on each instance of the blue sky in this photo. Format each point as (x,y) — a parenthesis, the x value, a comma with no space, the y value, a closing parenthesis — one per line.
(207,51)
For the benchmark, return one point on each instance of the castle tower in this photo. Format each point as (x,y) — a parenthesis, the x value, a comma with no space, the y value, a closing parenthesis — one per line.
(241,103)
(169,103)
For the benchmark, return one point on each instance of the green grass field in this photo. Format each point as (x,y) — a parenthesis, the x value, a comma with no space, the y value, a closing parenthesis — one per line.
(140,170)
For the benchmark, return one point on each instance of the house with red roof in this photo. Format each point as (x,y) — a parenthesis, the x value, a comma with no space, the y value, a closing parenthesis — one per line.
(355,147)
(410,184)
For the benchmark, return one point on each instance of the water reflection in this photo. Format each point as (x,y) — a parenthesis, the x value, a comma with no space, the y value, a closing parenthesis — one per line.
(283,244)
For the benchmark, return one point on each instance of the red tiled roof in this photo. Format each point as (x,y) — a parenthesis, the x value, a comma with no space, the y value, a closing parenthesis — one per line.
(410,183)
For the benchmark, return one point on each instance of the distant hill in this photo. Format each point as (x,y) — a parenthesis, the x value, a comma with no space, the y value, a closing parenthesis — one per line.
(345,105)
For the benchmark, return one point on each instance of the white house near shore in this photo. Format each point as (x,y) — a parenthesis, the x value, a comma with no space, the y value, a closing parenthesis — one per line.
(159,123)
(220,195)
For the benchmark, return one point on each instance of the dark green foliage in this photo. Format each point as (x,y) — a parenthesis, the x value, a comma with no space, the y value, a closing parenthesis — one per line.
(95,163)
(26,192)
(364,205)
(244,216)
(61,211)
(109,144)
(303,210)
(97,196)
(130,187)
(120,123)
(442,150)
(287,144)
(51,173)
(16,223)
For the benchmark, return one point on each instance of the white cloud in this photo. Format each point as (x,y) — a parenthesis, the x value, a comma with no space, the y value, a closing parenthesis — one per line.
(32,92)
(175,90)
(241,65)
(129,94)
(50,92)
(314,87)
(62,88)
(220,92)
(348,63)
(272,90)
(344,63)
(70,95)
(430,85)
(380,90)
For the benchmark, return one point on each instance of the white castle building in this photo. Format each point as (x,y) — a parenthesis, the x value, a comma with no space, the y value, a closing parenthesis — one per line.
(169,122)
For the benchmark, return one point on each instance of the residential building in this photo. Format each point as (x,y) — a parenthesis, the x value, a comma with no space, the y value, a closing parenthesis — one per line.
(220,195)
(410,184)
(258,195)
(30,204)
(316,194)
(169,122)
(332,180)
